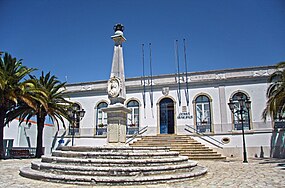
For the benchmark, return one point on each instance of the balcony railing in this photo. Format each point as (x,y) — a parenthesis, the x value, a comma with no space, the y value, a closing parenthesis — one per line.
(279,124)
(132,129)
(203,127)
(101,130)
(238,125)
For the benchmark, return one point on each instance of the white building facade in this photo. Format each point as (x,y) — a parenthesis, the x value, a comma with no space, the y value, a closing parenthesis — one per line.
(165,105)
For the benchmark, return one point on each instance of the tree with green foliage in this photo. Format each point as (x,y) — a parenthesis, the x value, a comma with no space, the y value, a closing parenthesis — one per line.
(275,106)
(12,89)
(48,95)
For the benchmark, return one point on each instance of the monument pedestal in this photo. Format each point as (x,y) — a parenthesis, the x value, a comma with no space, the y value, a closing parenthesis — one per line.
(117,121)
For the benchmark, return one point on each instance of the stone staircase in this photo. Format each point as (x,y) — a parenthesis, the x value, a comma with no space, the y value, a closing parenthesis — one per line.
(183,144)
(113,166)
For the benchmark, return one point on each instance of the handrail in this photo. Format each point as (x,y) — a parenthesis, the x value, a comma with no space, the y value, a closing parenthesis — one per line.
(143,130)
(205,139)
(204,134)
(201,134)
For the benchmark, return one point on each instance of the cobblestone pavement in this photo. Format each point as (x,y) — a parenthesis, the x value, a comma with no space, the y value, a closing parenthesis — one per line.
(232,173)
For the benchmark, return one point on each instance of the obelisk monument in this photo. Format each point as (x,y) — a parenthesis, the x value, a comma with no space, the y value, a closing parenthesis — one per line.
(117,111)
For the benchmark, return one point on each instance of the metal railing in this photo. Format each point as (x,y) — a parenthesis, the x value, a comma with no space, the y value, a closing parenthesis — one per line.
(101,130)
(140,132)
(132,130)
(204,135)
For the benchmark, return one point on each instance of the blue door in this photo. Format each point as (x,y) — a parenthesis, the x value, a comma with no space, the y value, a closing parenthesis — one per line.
(166,107)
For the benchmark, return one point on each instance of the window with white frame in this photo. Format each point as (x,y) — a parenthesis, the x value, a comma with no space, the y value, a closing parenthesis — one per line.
(238,121)
(203,114)
(133,117)
(101,119)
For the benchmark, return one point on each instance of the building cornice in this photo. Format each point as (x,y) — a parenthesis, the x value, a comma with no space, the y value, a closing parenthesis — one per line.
(195,79)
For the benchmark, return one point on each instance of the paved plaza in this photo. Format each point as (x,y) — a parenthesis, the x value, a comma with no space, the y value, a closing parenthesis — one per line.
(230,173)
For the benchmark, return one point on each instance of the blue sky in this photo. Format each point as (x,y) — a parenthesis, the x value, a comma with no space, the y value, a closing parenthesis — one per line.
(72,37)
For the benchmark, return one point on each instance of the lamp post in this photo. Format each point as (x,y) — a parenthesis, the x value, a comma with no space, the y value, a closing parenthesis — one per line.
(244,106)
(75,114)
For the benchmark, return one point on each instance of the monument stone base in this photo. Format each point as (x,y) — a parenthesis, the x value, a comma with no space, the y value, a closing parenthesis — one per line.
(117,121)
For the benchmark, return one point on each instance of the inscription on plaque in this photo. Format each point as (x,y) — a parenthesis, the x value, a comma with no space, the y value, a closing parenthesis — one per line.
(184,115)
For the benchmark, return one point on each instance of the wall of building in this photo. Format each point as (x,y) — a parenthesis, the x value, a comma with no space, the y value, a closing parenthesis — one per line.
(221,114)
(219,86)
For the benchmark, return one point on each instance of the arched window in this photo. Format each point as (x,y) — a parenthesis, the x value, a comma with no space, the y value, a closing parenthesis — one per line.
(101,119)
(236,116)
(133,117)
(76,127)
(203,114)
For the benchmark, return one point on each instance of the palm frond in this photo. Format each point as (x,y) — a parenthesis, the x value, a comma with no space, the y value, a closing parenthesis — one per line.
(48,95)
(275,93)
(12,73)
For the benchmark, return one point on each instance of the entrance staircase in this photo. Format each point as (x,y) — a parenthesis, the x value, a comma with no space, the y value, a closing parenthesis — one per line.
(107,165)
(184,144)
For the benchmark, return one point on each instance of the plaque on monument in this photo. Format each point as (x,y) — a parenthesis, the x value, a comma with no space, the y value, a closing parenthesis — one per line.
(114,86)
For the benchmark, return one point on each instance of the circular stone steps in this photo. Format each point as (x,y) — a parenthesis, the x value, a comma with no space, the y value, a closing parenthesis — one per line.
(110,170)
(113,155)
(117,162)
(113,166)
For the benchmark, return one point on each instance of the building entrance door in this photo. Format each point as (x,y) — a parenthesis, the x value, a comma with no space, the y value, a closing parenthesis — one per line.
(166,108)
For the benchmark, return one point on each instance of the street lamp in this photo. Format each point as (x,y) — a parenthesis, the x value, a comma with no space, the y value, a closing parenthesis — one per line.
(75,114)
(244,106)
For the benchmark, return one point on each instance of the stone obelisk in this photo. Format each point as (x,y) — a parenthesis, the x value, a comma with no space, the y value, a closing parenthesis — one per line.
(117,111)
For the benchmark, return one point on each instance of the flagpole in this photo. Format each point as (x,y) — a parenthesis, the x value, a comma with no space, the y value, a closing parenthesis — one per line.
(178,73)
(144,89)
(186,72)
(151,89)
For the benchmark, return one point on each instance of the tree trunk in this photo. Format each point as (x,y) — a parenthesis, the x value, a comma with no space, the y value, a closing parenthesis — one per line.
(40,128)
(2,125)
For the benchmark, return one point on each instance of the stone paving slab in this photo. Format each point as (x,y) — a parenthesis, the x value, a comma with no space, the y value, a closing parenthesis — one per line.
(258,173)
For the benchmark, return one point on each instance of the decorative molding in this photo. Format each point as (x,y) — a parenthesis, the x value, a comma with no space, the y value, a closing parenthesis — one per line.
(133,99)
(86,88)
(171,79)
(261,73)
(165,91)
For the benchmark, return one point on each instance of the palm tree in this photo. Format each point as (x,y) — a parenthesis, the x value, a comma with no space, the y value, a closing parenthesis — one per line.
(11,89)
(48,95)
(276,93)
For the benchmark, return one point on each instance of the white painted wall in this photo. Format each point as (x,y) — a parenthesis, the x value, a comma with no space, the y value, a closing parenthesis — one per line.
(17,133)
